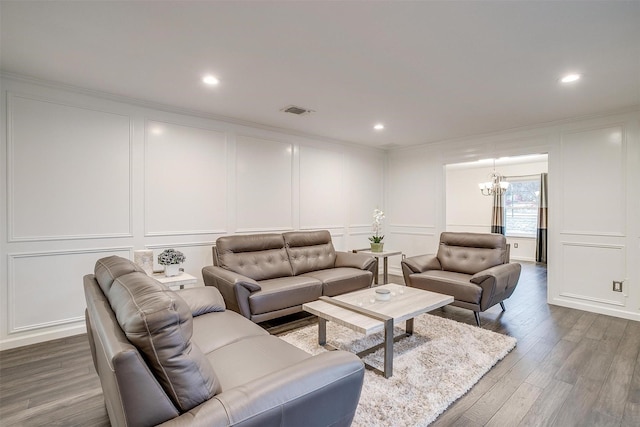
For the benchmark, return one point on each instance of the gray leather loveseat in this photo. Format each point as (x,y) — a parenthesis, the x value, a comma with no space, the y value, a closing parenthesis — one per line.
(474,268)
(264,276)
(179,358)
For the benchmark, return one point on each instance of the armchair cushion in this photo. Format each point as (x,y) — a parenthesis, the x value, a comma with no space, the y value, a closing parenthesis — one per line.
(449,283)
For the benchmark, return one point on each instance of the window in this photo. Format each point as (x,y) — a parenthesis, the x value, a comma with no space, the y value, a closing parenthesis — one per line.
(521,207)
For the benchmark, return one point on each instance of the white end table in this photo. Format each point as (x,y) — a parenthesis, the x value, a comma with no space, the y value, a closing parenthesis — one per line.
(180,281)
(385,258)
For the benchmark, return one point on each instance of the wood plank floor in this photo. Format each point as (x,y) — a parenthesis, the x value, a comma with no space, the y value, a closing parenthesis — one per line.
(570,368)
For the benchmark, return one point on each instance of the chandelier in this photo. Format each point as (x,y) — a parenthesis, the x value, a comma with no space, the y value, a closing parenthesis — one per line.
(495,185)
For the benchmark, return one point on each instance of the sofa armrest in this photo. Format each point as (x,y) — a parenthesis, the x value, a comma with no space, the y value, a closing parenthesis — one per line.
(496,280)
(354,260)
(235,288)
(202,300)
(321,390)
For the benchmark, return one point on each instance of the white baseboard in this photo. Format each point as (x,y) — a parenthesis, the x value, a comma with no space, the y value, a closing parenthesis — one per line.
(35,338)
(585,306)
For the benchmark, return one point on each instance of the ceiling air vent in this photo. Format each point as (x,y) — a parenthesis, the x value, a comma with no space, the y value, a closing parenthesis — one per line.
(299,111)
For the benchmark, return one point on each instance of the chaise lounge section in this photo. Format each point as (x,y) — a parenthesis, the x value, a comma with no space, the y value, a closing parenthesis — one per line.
(265,276)
(178,358)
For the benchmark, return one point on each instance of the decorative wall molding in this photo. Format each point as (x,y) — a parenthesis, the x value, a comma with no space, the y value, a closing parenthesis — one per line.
(615,127)
(179,245)
(588,298)
(188,136)
(11,285)
(11,96)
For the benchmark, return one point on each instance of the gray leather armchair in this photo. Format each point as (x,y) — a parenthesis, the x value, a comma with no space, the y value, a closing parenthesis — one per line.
(474,268)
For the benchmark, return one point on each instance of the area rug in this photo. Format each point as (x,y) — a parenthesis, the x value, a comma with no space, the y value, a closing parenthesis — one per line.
(434,367)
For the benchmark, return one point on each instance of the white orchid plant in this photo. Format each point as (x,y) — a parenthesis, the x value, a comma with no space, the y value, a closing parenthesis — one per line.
(171,256)
(378,216)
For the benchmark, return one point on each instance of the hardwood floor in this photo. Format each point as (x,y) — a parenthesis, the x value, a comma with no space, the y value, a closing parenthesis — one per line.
(570,368)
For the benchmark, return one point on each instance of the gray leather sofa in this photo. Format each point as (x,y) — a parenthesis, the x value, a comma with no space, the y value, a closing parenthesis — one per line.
(264,276)
(474,268)
(179,358)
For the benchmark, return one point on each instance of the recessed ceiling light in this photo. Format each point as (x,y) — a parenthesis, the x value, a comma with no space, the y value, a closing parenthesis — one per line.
(379,126)
(569,78)
(210,80)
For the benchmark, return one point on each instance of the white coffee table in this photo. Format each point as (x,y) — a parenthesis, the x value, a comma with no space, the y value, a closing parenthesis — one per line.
(362,312)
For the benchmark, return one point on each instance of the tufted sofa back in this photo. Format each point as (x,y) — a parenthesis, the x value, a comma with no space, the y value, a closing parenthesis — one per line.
(258,256)
(470,253)
(310,250)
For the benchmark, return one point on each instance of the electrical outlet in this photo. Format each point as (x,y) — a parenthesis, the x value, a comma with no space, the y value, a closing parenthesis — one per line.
(617,286)
(515,245)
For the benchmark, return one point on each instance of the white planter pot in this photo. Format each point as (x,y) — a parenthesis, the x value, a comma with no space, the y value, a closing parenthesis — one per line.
(171,270)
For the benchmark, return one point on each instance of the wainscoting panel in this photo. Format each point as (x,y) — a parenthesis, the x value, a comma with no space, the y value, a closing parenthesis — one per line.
(593,181)
(264,185)
(365,180)
(63,171)
(322,188)
(45,288)
(185,180)
(416,185)
(583,277)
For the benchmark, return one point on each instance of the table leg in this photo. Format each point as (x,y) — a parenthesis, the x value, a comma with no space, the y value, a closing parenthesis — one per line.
(409,326)
(322,331)
(388,348)
(386,270)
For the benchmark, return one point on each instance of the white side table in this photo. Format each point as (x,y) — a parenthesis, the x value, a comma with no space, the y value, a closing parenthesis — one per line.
(180,281)
(385,258)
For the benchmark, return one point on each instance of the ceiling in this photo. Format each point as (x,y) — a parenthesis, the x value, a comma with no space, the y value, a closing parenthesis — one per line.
(430,71)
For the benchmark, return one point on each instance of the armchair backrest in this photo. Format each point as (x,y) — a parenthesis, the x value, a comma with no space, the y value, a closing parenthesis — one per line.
(471,253)
(257,256)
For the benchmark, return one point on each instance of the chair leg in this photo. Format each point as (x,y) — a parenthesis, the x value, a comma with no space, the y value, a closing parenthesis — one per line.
(502,305)
(477,315)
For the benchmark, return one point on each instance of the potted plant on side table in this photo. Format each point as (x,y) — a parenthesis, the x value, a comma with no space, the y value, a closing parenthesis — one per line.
(376,239)
(171,259)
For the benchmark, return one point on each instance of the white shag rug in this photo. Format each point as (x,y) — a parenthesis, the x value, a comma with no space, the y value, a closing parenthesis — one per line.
(434,367)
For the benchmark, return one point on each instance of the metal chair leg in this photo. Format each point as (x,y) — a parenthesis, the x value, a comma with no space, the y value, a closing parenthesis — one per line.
(502,305)
(477,315)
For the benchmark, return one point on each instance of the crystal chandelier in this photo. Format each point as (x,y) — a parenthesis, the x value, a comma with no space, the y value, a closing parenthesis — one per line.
(495,185)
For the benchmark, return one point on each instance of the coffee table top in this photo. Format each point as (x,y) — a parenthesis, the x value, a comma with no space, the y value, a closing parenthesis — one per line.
(405,303)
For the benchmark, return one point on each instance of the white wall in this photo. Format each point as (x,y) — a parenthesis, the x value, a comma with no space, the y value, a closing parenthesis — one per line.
(468,210)
(89,176)
(594,215)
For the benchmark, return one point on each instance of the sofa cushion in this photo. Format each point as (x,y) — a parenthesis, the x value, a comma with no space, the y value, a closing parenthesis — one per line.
(310,250)
(217,330)
(470,253)
(337,281)
(110,268)
(245,360)
(448,283)
(284,292)
(159,323)
(257,256)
